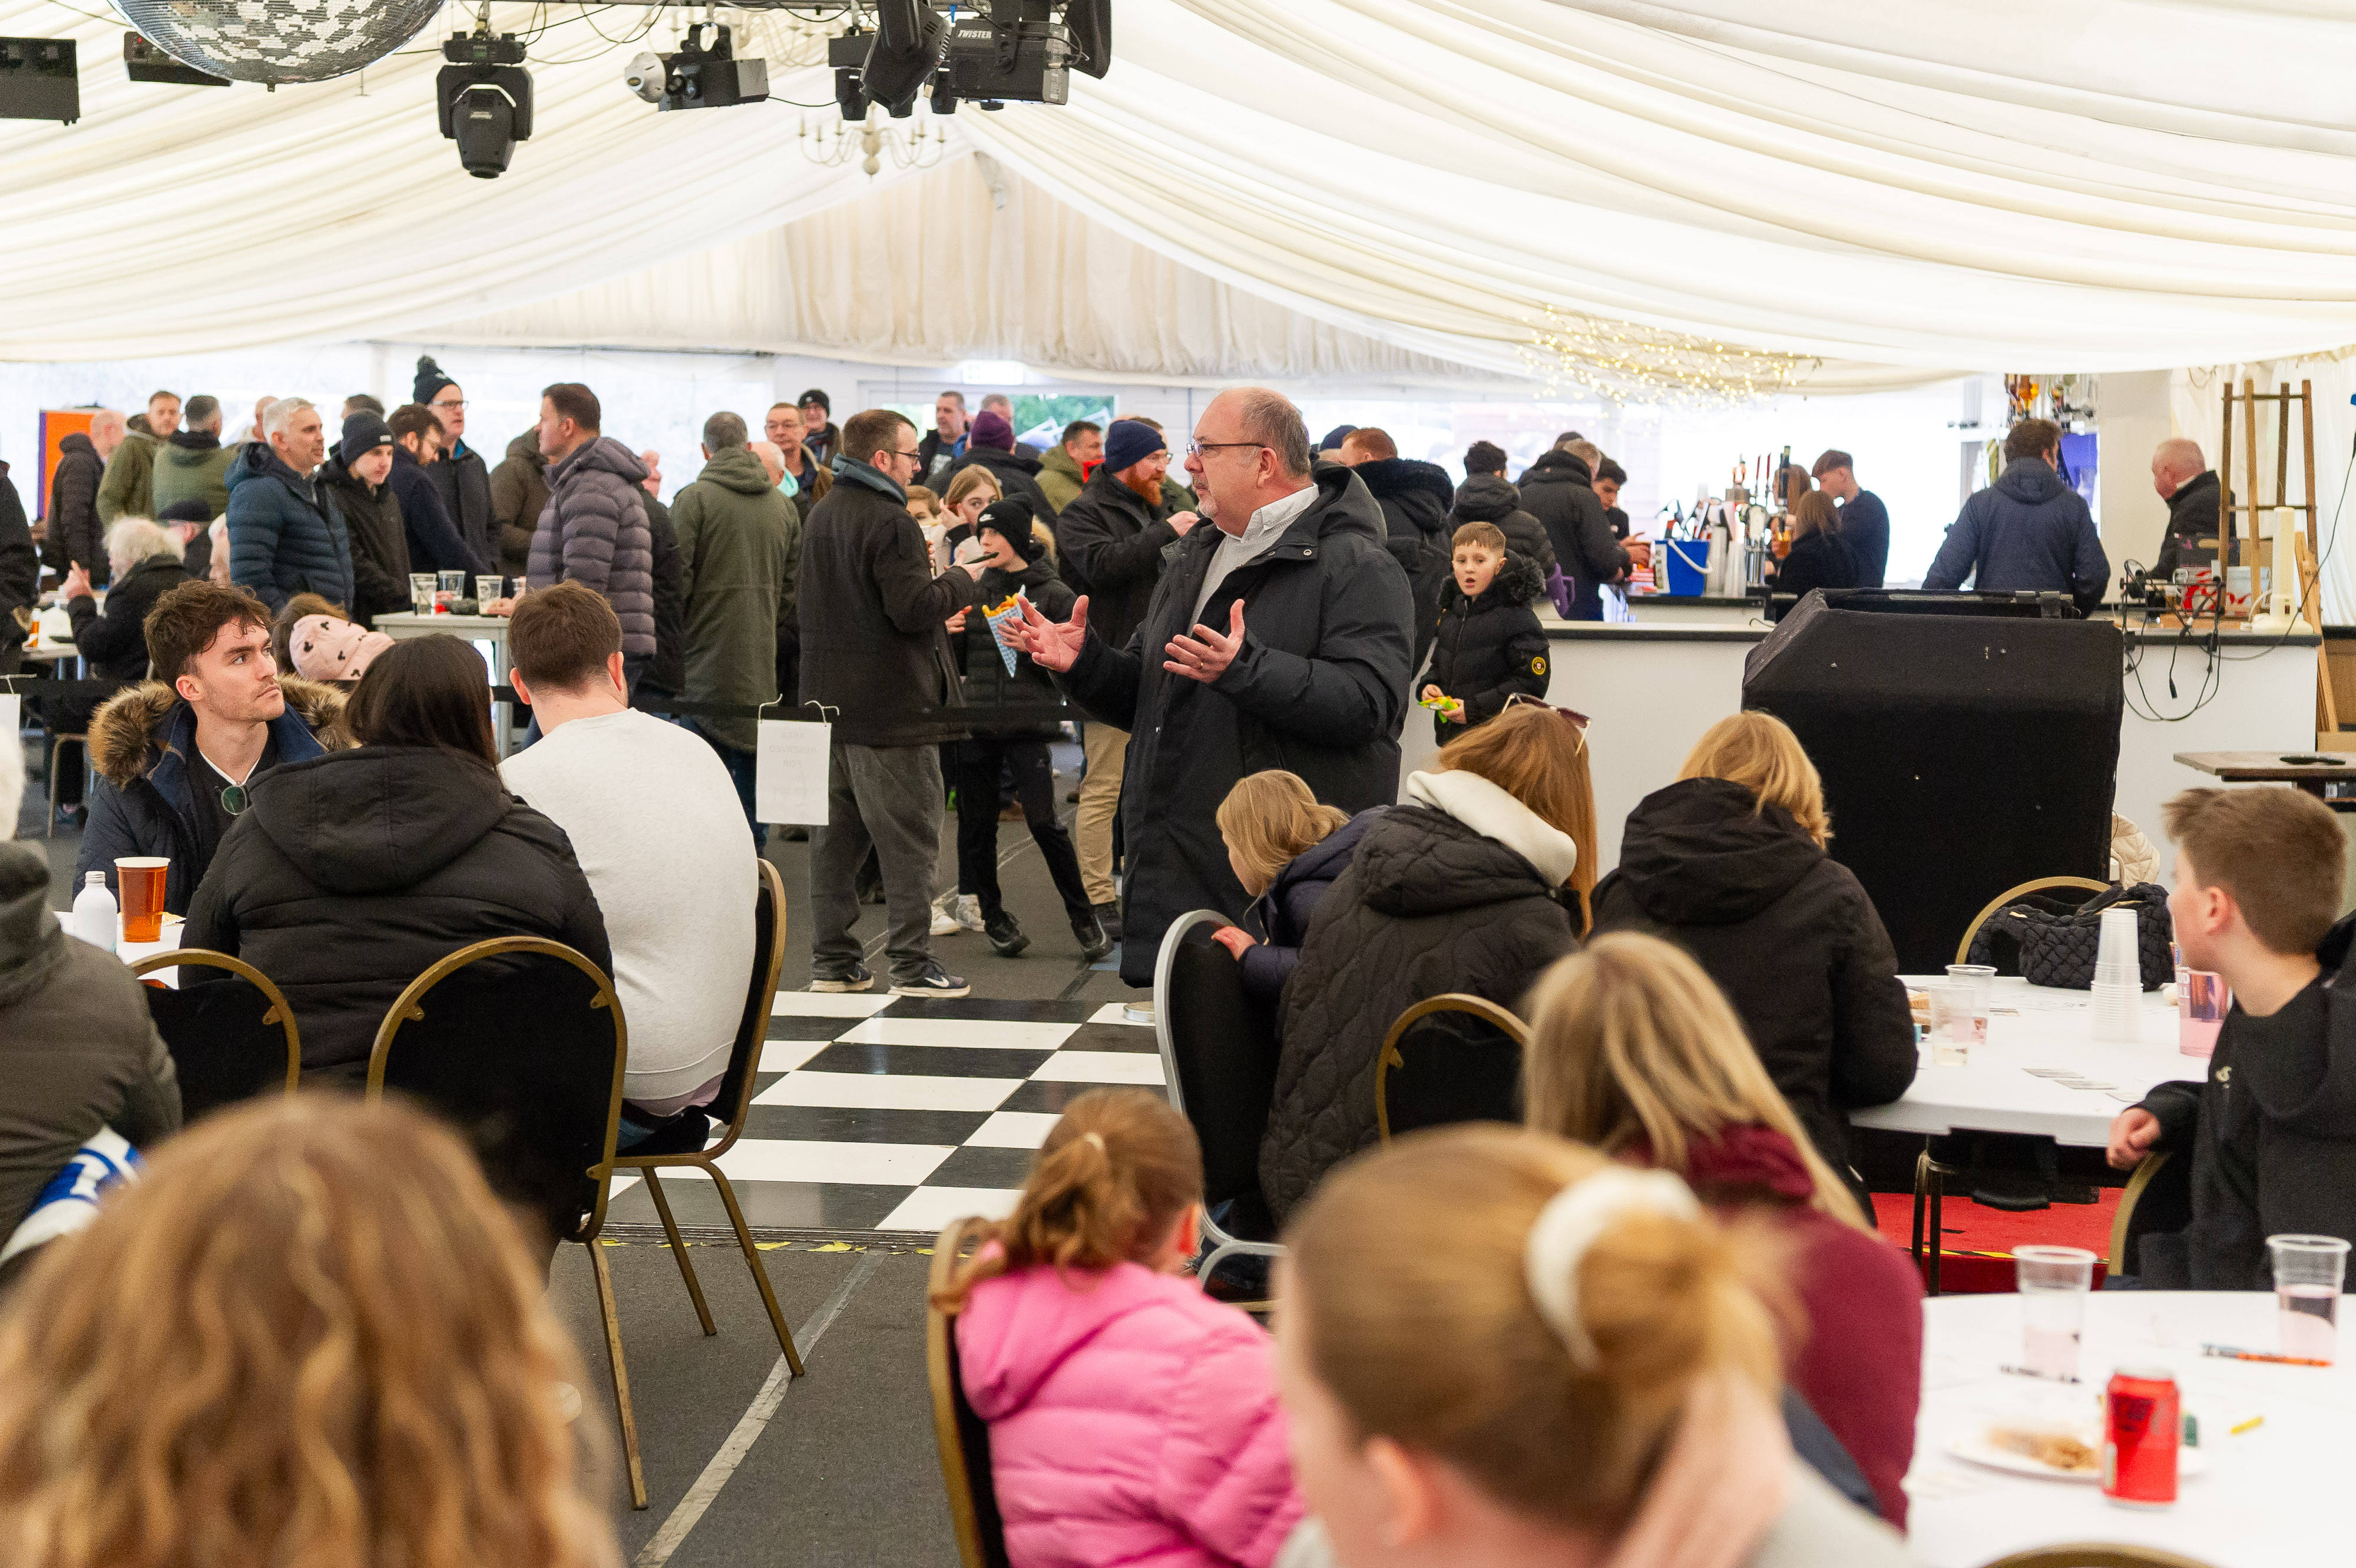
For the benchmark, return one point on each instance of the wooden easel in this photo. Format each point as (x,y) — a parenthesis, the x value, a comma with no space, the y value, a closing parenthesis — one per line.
(2309,587)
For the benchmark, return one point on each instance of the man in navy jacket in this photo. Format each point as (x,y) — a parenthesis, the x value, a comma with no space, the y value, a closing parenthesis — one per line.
(2027,532)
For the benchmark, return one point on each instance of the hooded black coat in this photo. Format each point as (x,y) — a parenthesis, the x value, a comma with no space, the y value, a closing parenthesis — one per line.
(1319,688)
(1817,560)
(1021,705)
(75,532)
(1415,497)
(373,523)
(114,640)
(1789,935)
(1488,648)
(1283,911)
(1487,498)
(1017,475)
(351,874)
(1427,905)
(2027,532)
(1560,492)
(462,482)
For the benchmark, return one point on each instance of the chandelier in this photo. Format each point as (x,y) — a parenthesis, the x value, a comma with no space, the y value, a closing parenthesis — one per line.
(1632,363)
(919,146)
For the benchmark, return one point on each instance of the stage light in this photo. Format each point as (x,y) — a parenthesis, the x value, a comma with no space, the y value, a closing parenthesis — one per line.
(484,96)
(910,40)
(703,73)
(143,61)
(38,80)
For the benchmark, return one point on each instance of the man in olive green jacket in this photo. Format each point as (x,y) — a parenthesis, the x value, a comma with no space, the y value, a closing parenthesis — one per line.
(737,540)
(1064,472)
(193,465)
(128,489)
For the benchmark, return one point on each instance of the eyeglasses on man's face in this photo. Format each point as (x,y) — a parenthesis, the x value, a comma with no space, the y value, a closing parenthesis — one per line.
(1196,448)
(447,402)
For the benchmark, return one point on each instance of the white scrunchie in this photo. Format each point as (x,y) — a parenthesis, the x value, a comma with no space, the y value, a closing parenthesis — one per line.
(1570,1223)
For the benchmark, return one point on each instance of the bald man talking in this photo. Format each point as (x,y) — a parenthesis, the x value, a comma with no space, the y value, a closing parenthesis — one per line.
(2183,479)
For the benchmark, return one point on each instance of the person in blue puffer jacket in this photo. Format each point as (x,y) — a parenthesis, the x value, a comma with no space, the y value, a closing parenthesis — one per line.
(285,538)
(1286,849)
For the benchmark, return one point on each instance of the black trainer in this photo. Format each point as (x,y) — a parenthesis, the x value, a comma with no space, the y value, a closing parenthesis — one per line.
(931,981)
(1109,917)
(1005,934)
(1090,933)
(858,979)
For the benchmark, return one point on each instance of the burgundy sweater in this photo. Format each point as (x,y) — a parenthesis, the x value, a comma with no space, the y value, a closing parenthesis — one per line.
(1860,1366)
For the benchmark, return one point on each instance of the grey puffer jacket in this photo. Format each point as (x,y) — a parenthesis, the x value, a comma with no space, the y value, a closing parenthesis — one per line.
(77,1050)
(1429,905)
(595,532)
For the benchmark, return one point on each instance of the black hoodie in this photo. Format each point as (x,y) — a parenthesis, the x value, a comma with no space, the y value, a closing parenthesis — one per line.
(349,874)
(1487,498)
(1560,492)
(1788,934)
(1415,497)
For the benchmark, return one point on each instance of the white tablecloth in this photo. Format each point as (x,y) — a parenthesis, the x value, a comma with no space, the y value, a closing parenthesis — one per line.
(2043,1028)
(2276,1496)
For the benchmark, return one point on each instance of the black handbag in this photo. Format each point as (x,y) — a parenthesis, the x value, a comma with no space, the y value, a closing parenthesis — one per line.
(2053,943)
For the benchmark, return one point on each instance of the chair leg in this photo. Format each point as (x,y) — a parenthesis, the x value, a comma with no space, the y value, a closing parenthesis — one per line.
(760,1275)
(679,1250)
(621,1373)
(1938,1224)
(1921,1200)
(50,828)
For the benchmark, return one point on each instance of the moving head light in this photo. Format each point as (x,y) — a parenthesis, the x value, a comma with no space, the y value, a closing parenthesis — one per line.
(704,74)
(996,52)
(39,79)
(910,40)
(485,98)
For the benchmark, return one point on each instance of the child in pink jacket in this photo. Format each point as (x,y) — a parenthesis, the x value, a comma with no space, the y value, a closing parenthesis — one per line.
(1132,1419)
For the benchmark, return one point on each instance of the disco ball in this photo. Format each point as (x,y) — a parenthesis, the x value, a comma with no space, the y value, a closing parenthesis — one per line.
(278,40)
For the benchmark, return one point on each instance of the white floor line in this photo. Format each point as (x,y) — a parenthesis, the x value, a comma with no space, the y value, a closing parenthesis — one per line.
(751,1424)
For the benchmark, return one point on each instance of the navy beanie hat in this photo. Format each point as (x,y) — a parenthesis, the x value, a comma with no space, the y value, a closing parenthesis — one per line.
(193,509)
(1130,442)
(1333,437)
(430,379)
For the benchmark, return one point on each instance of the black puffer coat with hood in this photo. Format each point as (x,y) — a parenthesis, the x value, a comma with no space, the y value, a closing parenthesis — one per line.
(1489,647)
(1457,889)
(351,874)
(1789,935)
(1487,498)
(1560,492)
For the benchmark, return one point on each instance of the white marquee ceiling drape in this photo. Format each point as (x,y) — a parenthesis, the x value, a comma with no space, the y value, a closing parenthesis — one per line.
(967,261)
(1901,190)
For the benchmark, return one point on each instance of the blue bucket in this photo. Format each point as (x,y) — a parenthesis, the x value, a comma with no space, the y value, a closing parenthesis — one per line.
(1688,564)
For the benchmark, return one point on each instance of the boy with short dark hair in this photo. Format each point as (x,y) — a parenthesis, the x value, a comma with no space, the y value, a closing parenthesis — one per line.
(1489,644)
(2271,1133)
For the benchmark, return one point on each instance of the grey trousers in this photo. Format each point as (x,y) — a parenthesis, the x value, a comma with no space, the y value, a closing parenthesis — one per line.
(889,796)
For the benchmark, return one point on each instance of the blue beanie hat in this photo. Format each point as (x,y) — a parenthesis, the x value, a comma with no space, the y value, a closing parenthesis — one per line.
(1128,443)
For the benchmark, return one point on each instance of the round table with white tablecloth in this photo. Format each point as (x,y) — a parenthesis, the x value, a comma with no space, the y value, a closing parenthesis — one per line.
(2039,1027)
(2281,1492)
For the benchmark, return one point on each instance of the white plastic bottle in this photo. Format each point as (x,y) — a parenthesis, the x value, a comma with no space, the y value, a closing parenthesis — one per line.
(94,913)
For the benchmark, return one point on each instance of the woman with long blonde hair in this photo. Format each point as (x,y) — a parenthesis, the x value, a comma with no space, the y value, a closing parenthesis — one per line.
(1634,1052)
(1473,883)
(310,1333)
(1499,1350)
(1729,863)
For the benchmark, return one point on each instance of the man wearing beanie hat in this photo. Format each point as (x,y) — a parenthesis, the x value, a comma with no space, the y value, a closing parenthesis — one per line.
(819,433)
(461,477)
(436,543)
(1015,710)
(356,481)
(992,446)
(1112,539)
(190,521)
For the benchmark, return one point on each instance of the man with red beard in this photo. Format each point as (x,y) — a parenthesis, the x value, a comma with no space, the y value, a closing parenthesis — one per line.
(1111,540)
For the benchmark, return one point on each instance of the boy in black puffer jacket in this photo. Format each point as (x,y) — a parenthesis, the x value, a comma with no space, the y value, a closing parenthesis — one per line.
(1489,644)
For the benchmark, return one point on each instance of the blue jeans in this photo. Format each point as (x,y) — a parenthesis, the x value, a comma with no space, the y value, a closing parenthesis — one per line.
(743,767)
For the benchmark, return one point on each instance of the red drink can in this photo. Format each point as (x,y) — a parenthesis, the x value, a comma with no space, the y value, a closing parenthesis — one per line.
(2143,1422)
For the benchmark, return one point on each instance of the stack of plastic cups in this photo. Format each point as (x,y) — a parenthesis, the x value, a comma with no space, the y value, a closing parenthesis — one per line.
(2118,980)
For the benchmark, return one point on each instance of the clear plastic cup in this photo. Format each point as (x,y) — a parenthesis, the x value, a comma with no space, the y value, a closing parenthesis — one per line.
(2053,1282)
(421,592)
(2117,953)
(488,588)
(1959,1022)
(2308,1272)
(1980,977)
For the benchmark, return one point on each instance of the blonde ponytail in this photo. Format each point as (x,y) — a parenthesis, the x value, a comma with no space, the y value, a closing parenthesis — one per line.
(1412,1271)
(1113,1176)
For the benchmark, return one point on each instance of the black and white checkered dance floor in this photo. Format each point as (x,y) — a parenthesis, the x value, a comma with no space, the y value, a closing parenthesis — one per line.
(881,1113)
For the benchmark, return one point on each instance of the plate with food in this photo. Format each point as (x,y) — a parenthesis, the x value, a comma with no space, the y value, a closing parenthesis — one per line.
(2054,1455)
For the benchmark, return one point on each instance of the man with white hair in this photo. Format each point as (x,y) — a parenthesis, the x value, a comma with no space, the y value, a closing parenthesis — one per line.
(284,537)
(76,537)
(2185,482)
(1279,637)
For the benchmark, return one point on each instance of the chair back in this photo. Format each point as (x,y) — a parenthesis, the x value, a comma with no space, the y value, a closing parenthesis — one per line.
(1449,1058)
(734,1101)
(2085,884)
(2158,1202)
(231,1037)
(520,1042)
(963,1437)
(1218,1053)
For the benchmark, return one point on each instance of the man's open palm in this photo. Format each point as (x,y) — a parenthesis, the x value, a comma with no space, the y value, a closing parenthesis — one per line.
(1050,645)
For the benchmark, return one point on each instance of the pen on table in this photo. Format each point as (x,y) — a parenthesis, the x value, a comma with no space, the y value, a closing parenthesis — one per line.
(2032,1372)
(2231,1353)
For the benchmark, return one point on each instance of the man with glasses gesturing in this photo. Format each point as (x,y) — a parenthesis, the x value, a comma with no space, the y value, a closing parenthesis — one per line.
(875,656)
(1309,673)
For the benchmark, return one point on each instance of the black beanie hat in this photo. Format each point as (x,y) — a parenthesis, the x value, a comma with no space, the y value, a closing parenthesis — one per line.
(363,433)
(430,379)
(819,398)
(191,510)
(1011,519)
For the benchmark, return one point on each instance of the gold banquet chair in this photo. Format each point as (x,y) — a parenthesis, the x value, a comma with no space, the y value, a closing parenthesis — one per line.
(1486,1092)
(962,1437)
(220,1031)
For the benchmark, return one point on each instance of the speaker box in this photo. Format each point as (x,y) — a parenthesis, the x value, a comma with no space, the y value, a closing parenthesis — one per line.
(1961,755)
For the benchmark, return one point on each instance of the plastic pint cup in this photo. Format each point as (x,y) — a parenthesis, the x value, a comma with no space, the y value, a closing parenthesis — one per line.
(139,882)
